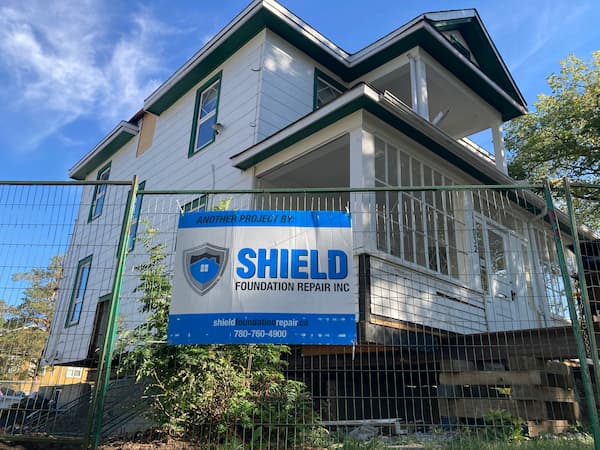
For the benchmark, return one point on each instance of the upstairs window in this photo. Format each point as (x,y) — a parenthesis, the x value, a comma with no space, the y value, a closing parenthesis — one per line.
(135,220)
(326,89)
(81,281)
(205,114)
(99,193)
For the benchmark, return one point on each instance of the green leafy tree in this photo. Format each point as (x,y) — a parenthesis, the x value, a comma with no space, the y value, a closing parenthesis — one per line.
(24,327)
(210,390)
(561,137)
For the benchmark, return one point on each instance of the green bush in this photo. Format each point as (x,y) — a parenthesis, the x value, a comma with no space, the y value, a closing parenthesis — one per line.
(219,394)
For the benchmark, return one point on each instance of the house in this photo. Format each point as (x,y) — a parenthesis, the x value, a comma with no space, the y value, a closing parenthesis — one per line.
(269,102)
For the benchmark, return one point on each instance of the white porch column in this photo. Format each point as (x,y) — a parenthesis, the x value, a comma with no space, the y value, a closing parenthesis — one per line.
(499,147)
(362,174)
(418,86)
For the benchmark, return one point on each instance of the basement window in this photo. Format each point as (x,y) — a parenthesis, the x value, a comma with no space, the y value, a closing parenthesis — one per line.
(205,114)
(198,204)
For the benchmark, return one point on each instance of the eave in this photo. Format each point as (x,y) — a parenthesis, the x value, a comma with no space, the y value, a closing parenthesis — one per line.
(116,139)
(400,116)
(418,32)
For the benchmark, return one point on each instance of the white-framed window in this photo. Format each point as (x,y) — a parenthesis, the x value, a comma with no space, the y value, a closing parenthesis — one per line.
(99,193)
(205,114)
(420,227)
(78,294)
(326,89)
(74,372)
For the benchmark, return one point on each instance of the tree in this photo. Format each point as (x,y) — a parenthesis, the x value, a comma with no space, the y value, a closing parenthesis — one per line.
(210,391)
(24,327)
(561,137)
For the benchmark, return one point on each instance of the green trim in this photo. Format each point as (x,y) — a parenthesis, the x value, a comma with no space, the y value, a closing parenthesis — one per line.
(326,78)
(192,150)
(91,216)
(118,142)
(368,104)
(85,261)
(137,209)
(475,36)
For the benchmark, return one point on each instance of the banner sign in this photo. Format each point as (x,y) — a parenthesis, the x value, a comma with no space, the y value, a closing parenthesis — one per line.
(284,277)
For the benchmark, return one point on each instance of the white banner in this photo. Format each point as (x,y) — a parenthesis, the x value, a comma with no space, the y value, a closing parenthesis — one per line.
(264,277)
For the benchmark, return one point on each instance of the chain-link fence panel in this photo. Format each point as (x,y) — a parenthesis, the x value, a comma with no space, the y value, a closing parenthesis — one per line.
(462,319)
(52,279)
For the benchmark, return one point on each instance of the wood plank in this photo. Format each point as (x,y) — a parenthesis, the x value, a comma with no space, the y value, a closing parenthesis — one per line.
(456,365)
(547,426)
(543,393)
(478,407)
(492,377)
(317,350)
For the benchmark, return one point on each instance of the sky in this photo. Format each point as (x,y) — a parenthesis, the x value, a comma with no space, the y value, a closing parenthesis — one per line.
(70,70)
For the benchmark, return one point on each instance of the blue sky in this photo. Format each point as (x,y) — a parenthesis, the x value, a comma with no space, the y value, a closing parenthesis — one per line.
(72,69)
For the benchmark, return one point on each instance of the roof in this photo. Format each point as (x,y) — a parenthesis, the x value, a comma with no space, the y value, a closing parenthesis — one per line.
(489,78)
(107,147)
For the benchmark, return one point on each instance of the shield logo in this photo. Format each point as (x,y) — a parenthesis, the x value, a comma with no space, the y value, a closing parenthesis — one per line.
(204,266)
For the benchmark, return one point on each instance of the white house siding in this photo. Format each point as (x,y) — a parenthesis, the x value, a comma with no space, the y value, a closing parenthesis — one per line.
(287,86)
(165,165)
(414,297)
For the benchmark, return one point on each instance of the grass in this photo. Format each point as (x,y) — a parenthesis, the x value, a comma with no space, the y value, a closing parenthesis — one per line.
(565,442)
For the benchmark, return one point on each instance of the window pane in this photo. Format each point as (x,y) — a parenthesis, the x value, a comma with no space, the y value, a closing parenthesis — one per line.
(209,100)
(428,181)
(380,161)
(205,131)
(394,212)
(83,278)
(381,221)
(404,169)
(497,254)
(76,312)
(325,92)
(392,157)
(482,260)
(407,220)
(98,206)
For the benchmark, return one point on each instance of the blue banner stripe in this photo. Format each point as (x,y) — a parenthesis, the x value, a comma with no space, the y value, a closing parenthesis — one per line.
(262,328)
(267,218)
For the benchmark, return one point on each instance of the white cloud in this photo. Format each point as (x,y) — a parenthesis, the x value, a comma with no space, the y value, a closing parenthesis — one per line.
(63,62)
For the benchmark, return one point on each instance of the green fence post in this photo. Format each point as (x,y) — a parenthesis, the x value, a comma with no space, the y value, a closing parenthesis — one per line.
(94,426)
(585,299)
(585,374)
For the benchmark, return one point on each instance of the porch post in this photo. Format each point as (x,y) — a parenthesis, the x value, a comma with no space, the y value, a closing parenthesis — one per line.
(499,147)
(362,175)
(418,86)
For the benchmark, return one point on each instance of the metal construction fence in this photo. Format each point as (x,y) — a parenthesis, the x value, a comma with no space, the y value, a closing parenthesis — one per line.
(477,315)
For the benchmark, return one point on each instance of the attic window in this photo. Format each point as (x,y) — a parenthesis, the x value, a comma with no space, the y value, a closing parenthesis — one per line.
(326,89)
(461,48)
